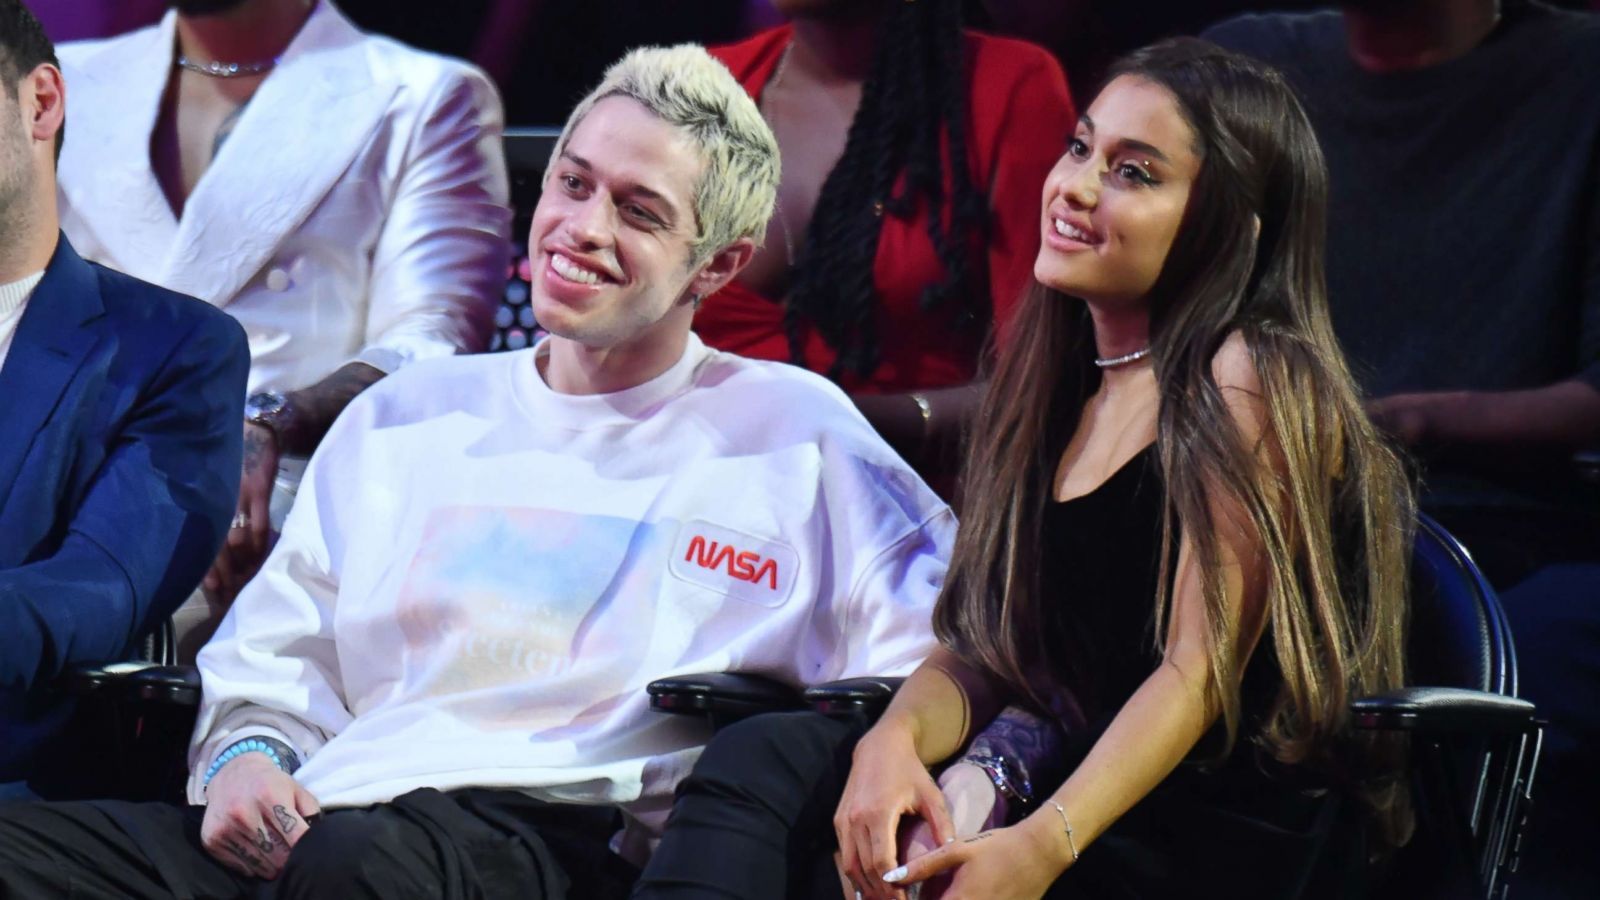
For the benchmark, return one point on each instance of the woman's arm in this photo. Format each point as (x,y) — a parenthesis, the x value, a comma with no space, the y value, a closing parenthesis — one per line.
(1162,721)
(927,723)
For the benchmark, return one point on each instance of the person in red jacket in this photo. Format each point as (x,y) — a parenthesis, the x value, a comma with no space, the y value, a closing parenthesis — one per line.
(886,111)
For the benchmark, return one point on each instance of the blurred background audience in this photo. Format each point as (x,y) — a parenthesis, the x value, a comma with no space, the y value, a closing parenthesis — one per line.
(907,218)
(1463,144)
(341,195)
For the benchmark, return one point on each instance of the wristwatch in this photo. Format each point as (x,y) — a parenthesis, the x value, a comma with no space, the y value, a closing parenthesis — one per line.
(270,410)
(1007,776)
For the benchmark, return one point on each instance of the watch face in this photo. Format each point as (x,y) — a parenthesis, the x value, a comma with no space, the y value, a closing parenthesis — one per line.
(264,404)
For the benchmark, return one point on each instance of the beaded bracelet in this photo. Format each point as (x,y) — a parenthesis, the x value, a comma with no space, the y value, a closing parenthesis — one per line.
(281,756)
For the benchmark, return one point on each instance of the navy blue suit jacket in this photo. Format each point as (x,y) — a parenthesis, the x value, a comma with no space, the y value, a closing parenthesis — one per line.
(120,443)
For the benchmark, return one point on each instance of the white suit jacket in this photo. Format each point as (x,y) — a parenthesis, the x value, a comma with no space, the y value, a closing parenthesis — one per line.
(358,212)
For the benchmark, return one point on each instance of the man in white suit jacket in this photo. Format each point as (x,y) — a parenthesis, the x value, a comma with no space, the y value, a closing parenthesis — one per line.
(342,195)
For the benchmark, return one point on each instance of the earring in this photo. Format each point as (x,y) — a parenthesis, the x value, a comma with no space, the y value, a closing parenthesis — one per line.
(696,300)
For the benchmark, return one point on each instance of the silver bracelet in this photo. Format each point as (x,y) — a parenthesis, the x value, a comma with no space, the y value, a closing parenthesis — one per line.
(1071,844)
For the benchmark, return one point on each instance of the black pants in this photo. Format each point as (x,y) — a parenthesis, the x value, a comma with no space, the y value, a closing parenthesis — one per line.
(755,817)
(754,821)
(426,844)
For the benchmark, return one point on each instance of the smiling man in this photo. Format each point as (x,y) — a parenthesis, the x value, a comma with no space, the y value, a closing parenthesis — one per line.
(435,688)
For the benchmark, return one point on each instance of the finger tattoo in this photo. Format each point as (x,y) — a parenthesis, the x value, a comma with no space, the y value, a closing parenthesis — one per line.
(286,820)
(250,860)
(264,839)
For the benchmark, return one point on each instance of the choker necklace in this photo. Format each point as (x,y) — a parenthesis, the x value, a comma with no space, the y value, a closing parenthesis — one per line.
(216,69)
(1121,360)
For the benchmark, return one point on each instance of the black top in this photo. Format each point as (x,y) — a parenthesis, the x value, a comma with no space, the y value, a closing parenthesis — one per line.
(1209,820)
(1102,556)
(1464,216)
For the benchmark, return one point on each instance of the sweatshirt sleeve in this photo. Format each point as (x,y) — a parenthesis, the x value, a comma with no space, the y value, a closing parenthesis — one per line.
(273,669)
(888,627)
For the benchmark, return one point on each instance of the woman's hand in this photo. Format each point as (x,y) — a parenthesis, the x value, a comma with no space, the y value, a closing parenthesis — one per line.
(1015,863)
(887,781)
(974,806)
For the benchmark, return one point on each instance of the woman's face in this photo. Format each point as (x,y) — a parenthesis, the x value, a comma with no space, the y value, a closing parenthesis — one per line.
(1113,202)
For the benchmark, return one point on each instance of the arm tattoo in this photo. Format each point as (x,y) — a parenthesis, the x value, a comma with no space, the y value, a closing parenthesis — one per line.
(317,406)
(1032,742)
(286,820)
(255,446)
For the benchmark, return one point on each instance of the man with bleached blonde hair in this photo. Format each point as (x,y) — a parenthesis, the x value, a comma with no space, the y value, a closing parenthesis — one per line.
(435,688)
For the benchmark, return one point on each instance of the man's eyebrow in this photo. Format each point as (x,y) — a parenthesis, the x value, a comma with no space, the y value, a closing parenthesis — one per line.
(1130,143)
(575,159)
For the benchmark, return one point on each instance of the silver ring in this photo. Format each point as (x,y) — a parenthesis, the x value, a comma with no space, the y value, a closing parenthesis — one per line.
(240,520)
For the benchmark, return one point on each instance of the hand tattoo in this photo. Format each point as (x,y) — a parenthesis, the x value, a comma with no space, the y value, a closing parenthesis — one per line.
(250,860)
(264,840)
(286,820)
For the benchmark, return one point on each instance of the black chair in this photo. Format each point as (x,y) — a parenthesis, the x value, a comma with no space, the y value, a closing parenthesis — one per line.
(1475,746)
(143,710)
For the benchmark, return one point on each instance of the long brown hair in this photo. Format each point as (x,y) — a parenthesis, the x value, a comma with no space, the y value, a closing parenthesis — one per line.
(1334,517)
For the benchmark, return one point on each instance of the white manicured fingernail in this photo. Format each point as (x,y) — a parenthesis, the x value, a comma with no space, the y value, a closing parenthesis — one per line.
(894,875)
(949,840)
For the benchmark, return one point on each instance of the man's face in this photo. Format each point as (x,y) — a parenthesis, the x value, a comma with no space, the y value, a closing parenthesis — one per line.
(16,158)
(611,236)
(204,7)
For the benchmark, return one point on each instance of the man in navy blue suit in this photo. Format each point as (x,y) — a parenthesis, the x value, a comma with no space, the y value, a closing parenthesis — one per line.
(119,430)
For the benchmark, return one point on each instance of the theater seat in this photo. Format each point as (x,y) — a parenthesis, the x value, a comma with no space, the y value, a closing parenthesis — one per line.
(1475,744)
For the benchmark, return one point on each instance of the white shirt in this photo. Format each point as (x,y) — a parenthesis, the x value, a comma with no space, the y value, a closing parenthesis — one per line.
(13,300)
(481,576)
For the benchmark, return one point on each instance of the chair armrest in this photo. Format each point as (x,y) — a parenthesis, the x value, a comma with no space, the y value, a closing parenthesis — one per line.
(1443,710)
(721,696)
(83,681)
(854,696)
(1587,465)
(171,685)
(136,680)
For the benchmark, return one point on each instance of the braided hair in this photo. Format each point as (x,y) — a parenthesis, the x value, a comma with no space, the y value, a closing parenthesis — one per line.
(912,113)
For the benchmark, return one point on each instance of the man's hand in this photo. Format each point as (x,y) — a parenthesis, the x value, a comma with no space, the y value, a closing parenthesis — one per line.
(255,812)
(248,537)
(1406,417)
(974,806)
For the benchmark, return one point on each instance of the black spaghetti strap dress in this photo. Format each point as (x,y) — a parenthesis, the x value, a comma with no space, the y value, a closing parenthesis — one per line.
(1240,826)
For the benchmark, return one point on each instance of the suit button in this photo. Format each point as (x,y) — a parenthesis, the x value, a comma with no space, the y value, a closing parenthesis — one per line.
(277,280)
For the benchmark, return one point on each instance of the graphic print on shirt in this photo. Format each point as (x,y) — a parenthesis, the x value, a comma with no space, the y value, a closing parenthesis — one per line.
(745,567)
(563,602)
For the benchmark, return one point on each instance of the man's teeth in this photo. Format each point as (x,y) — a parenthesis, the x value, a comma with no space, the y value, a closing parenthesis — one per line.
(1072,232)
(571,271)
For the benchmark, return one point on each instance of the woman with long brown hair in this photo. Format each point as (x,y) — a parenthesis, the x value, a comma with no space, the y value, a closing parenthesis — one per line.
(1180,536)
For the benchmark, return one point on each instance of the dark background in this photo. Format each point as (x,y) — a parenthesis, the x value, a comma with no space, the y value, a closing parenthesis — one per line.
(545,54)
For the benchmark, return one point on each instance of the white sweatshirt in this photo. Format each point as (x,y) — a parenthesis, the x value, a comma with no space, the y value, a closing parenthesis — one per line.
(480,576)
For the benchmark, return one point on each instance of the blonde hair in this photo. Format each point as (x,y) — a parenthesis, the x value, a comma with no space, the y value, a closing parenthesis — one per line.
(686,87)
